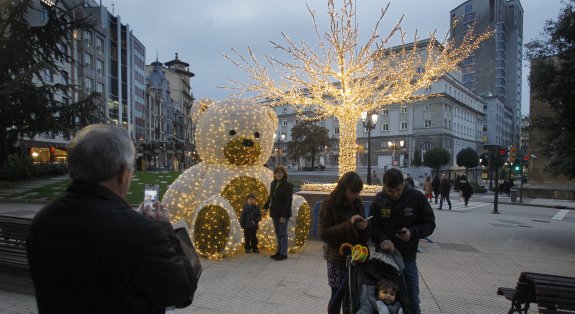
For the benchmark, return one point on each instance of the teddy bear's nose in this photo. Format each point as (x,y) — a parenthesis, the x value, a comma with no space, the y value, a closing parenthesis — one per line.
(248,143)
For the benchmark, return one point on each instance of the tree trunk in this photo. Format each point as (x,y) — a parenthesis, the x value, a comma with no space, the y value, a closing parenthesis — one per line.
(347,143)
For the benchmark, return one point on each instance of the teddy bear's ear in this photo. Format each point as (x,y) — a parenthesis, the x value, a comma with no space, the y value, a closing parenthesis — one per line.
(272,114)
(199,108)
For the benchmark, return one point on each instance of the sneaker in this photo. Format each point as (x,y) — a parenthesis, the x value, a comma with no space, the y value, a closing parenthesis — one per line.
(439,208)
(256,251)
(281,257)
(275,255)
(248,250)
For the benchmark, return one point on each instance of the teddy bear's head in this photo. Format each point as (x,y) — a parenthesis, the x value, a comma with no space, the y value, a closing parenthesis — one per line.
(234,131)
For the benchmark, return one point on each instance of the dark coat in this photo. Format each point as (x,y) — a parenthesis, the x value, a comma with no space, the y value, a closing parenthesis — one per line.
(445,187)
(280,199)
(435,183)
(90,252)
(250,213)
(465,188)
(335,227)
(411,211)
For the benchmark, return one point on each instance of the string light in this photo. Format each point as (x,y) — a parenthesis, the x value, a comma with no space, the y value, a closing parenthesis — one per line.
(234,138)
(328,187)
(340,78)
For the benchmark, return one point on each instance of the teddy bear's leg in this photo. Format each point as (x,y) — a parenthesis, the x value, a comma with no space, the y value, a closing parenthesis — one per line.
(299,224)
(215,229)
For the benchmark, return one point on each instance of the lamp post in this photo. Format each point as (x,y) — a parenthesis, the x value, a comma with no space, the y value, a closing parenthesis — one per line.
(393,147)
(279,148)
(369,124)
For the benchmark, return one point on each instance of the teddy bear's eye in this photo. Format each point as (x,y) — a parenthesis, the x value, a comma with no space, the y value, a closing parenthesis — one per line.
(257,134)
(232,132)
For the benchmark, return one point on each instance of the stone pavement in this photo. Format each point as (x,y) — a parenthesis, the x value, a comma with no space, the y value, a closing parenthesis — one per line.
(473,252)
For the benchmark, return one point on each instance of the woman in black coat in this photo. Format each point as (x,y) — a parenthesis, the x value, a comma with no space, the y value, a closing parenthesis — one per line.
(341,220)
(279,204)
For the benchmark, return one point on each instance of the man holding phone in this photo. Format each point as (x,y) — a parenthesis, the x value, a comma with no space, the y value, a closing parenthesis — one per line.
(401,216)
(90,252)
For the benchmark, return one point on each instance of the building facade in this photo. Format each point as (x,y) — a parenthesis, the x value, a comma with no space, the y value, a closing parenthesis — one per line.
(167,142)
(495,69)
(107,59)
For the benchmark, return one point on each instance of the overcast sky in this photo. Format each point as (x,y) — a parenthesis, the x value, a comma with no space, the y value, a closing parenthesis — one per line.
(202,31)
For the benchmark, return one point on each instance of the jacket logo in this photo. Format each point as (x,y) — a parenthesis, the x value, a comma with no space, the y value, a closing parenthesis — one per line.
(408,211)
(385,212)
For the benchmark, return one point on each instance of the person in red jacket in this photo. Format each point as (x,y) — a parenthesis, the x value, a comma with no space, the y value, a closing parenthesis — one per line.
(90,252)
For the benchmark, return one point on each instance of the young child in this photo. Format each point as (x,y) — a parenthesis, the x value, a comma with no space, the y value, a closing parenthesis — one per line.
(249,219)
(384,300)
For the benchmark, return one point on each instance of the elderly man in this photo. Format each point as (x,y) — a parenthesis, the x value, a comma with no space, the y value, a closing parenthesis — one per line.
(90,252)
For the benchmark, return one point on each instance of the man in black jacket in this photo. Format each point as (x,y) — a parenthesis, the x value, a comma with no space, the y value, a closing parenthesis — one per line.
(402,216)
(90,252)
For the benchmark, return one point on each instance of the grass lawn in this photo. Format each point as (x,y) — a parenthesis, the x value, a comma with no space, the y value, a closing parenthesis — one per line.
(135,195)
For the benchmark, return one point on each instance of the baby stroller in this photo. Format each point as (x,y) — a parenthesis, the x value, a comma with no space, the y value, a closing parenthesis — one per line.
(363,276)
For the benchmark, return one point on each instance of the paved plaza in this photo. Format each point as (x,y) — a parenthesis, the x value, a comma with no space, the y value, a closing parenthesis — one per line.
(473,252)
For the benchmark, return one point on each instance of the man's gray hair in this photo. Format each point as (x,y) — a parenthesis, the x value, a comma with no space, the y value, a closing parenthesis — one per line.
(99,152)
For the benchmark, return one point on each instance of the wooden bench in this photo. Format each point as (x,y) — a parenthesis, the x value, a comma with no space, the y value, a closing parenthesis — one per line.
(13,233)
(551,293)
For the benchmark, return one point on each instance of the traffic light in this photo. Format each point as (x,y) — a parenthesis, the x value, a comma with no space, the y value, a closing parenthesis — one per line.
(501,157)
(517,166)
(484,160)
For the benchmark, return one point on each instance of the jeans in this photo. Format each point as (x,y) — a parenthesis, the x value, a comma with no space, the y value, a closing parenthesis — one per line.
(446,197)
(281,235)
(411,275)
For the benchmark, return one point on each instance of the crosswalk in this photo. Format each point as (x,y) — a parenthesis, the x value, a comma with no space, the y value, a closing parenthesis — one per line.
(460,205)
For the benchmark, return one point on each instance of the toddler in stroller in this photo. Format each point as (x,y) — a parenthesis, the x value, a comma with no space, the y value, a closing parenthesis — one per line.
(382,272)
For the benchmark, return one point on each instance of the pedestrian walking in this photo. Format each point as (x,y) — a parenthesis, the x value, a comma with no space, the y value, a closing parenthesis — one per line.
(428,188)
(444,189)
(465,188)
(401,217)
(436,183)
(279,204)
(341,220)
(410,181)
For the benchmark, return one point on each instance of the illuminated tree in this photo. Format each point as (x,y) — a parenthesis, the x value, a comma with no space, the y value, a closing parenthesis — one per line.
(342,78)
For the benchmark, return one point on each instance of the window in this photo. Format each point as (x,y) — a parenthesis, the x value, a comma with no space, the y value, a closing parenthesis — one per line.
(336,130)
(100,88)
(88,85)
(385,112)
(403,125)
(284,123)
(45,15)
(427,123)
(424,148)
(404,109)
(100,67)
(427,107)
(88,38)
(48,75)
(385,126)
(88,59)
(65,78)
(99,44)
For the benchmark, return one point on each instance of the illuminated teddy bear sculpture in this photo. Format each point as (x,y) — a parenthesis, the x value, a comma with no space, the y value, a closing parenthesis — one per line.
(234,139)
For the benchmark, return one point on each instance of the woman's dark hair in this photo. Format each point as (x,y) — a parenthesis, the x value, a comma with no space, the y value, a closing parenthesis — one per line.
(392,178)
(349,181)
(281,168)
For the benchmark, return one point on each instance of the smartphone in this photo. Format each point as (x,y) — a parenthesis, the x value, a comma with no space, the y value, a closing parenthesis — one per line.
(368,218)
(151,194)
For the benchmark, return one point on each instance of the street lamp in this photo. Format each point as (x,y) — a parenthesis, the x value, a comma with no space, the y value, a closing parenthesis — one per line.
(279,148)
(369,124)
(393,146)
